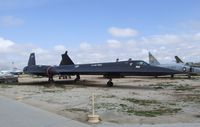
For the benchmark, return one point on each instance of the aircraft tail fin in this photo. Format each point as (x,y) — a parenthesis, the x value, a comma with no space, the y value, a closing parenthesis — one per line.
(66,60)
(31,60)
(153,60)
(178,60)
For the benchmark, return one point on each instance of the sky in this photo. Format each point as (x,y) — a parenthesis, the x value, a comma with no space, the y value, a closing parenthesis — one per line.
(98,30)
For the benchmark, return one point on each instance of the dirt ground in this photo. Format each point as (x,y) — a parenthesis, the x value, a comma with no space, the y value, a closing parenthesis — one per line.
(132,100)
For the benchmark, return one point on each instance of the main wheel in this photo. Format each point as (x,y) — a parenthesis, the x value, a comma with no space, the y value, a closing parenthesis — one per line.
(109,83)
(50,80)
(77,78)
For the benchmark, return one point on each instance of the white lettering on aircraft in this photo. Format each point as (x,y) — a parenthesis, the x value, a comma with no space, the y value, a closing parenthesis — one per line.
(96,65)
(137,66)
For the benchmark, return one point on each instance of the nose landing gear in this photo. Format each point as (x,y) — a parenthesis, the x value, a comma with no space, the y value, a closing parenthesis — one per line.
(110,83)
(77,78)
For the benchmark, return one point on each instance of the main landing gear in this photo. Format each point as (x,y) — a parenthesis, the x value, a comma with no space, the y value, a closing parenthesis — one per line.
(190,72)
(189,76)
(77,78)
(50,80)
(110,83)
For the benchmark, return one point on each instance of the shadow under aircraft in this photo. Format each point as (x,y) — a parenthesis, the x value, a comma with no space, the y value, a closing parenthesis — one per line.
(123,68)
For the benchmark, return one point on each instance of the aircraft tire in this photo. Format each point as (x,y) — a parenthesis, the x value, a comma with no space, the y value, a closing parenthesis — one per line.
(77,78)
(50,80)
(109,83)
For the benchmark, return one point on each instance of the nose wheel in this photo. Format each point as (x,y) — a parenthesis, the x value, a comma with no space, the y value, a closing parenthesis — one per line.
(77,78)
(110,83)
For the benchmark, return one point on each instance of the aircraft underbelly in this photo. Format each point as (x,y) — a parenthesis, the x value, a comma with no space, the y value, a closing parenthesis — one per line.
(123,70)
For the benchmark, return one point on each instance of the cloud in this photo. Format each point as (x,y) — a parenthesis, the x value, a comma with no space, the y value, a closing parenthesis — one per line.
(11,51)
(114,44)
(164,52)
(122,32)
(191,25)
(5,45)
(197,36)
(10,21)
(144,51)
(164,47)
(85,46)
(39,51)
(60,48)
(165,39)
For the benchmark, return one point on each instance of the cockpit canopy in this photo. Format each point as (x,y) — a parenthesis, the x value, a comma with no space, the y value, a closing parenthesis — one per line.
(189,63)
(141,63)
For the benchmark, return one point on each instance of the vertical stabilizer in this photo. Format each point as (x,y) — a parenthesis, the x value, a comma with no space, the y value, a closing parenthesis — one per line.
(153,60)
(31,60)
(66,60)
(178,60)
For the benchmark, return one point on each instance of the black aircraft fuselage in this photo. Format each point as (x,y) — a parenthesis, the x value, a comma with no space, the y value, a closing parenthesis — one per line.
(122,68)
(40,70)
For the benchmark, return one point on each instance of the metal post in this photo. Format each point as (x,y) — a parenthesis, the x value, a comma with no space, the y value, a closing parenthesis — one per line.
(93,104)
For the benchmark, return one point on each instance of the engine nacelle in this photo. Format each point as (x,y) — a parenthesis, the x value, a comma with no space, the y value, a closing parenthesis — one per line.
(40,70)
(50,71)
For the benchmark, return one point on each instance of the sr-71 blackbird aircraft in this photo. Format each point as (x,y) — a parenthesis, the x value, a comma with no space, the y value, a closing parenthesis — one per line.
(124,68)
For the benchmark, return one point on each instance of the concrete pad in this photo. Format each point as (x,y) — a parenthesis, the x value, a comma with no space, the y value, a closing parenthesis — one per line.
(156,125)
(17,114)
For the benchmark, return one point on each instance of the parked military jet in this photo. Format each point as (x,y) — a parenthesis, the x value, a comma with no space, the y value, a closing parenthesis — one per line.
(178,60)
(181,67)
(14,71)
(7,77)
(124,68)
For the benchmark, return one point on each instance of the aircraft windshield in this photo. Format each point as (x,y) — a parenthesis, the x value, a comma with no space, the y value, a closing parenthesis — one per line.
(141,63)
(189,64)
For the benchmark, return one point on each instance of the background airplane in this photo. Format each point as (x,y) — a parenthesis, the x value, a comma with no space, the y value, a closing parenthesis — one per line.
(14,71)
(178,60)
(7,77)
(181,67)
